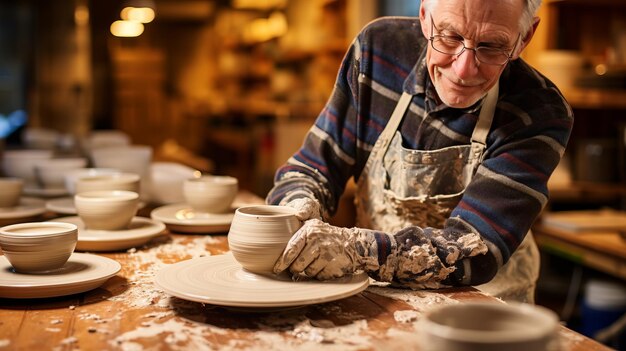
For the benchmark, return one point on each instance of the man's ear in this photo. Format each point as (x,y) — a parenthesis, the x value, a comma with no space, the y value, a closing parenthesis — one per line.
(424,21)
(527,37)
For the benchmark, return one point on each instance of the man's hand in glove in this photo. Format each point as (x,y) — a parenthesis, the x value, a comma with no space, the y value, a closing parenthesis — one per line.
(324,251)
(306,208)
(408,257)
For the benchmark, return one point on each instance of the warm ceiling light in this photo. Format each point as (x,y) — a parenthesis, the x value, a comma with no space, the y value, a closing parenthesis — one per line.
(81,15)
(262,29)
(601,69)
(138,14)
(278,23)
(258,4)
(127,29)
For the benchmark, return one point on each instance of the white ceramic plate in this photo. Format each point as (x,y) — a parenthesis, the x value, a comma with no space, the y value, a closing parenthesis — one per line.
(27,207)
(220,280)
(82,272)
(45,192)
(182,218)
(65,205)
(140,231)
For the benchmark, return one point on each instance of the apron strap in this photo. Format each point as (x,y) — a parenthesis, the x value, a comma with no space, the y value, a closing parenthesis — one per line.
(383,141)
(394,121)
(479,136)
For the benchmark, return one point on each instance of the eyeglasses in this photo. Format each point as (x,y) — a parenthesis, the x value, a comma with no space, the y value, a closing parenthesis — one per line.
(455,46)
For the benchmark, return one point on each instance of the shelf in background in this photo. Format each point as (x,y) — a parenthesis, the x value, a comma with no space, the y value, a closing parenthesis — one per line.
(596,98)
(587,192)
(592,220)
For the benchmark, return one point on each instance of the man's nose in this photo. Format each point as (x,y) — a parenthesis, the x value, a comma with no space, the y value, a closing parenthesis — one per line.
(466,64)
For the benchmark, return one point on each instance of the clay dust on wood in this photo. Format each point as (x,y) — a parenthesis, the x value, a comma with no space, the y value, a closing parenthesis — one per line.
(183,325)
(142,266)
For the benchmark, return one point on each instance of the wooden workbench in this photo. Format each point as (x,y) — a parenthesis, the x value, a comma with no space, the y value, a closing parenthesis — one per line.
(130,313)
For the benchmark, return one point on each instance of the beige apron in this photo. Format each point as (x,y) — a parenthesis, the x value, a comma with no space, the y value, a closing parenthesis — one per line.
(400,187)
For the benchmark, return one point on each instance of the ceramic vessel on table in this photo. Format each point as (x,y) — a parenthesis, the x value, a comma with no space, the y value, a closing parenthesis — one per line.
(106,209)
(259,234)
(40,138)
(114,181)
(38,246)
(10,191)
(71,177)
(51,173)
(130,158)
(210,193)
(106,138)
(166,181)
(489,326)
(21,164)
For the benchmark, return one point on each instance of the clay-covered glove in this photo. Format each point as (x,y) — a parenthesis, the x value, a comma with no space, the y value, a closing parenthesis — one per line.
(324,251)
(306,208)
(409,257)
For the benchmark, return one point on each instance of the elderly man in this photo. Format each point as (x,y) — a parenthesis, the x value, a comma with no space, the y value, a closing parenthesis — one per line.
(451,139)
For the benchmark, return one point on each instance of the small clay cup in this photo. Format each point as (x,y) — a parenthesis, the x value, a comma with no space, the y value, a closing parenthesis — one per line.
(488,326)
(114,181)
(71,177)
(259,234)
(10,191)
(106,209)
(210,193)
(51,173)
(21,164)
(38,246)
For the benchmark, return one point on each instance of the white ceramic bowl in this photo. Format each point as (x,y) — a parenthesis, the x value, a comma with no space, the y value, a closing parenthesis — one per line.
(106,209)
(51,173)
(21,163)
(107,138)
(131,158)
(166,181)
(73,175)
(259,234)
(488,326)
(38,246)
(10,191)
(40,138)
(210,193)
(114,181)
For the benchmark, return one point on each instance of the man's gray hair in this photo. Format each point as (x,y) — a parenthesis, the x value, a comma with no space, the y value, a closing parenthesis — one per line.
(525,22)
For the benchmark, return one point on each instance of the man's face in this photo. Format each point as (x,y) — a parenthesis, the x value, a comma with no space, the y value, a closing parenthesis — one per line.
(461,80)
